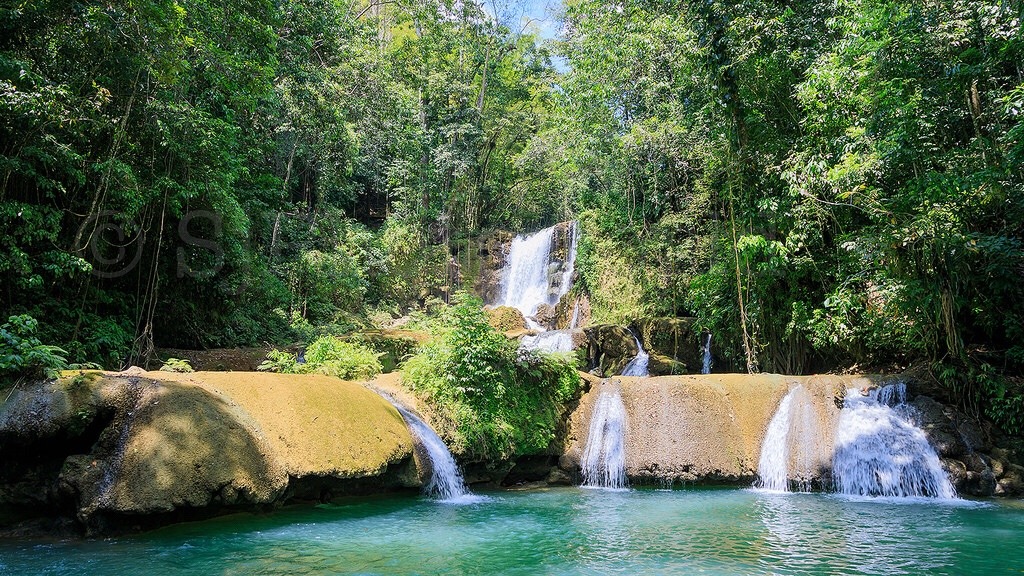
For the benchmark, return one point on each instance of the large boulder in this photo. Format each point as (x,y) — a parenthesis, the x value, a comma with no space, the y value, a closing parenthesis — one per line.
(506,319)
(675,338)
(610,348)
(114,450)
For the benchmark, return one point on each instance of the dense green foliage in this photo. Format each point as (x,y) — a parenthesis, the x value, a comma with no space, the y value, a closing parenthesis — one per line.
(490,399)
(22,353)
(821,185)
(327,355)
(189,173)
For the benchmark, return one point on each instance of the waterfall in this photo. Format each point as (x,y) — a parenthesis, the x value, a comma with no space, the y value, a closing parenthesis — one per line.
(706,368)
(570,261)
(879,452)
(527,277)
(773,468)
(445,478)
(604,457)
(550,341)
(796,449)
(638,365)
(575,322)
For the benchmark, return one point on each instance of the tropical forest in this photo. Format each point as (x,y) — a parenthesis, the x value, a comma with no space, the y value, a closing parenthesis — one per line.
(511,286)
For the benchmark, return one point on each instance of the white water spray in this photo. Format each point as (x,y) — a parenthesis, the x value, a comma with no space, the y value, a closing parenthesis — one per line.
(879,452)
(773,467)
(446,482)
(550,341)
(706,367)
(638,365)
(604,457)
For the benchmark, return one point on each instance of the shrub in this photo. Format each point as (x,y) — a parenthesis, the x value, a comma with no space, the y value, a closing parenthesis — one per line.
(22,354)
(327,355)
(491,400)
(176,365)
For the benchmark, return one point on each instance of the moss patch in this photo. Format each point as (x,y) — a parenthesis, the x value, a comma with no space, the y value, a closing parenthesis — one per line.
(316,425)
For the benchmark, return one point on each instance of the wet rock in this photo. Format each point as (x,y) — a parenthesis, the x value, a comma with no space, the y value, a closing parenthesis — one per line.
(545,316)
(610,348)
(980,481)
(676,338)
(934,419)
(559,477)
(1012,482)
(956,471)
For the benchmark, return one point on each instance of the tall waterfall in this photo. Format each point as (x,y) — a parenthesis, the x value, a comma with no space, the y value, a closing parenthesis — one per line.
(706,367)
(604,457)
(445,478)
(638,365)
(879,452)
(527,280)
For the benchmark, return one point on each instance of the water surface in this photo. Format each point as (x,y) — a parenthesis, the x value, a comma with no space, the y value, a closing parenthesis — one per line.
(567,531)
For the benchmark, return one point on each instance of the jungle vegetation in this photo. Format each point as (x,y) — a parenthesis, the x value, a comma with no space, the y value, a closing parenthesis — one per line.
(822,185)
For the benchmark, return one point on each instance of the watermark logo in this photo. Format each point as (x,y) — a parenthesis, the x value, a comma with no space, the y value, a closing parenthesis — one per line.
(116,244)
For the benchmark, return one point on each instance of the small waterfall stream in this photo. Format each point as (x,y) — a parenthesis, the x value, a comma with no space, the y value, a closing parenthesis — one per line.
(706,365)
(880,452)
(773,467)
(638,365)
(604,457)
(446,482)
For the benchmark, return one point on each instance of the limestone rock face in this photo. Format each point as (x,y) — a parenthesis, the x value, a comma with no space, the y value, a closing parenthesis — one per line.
(107,447)
(485,268)
(702,428)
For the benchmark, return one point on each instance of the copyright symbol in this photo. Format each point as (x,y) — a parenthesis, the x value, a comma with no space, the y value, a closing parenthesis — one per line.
(109,245)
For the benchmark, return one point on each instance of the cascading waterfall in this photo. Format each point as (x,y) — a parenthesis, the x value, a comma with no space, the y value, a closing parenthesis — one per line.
(549,341)
(638,365)
(446,482)
(879,452)
(773,467)
(706,367)
(604,457)
(575,322)
(527,280)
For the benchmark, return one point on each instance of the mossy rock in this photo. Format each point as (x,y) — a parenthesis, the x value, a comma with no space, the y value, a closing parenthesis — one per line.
(610,348)
(661,365)
(506,319)
(117,448)
(676,338)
